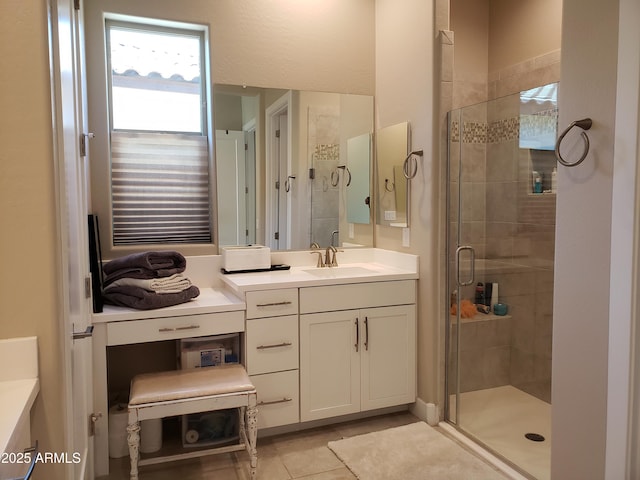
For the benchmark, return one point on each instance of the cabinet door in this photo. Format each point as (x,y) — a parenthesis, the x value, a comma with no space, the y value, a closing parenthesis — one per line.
(329,365)
(388,352)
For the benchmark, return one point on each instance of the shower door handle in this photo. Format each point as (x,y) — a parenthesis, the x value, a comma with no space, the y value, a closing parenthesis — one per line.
(472,265)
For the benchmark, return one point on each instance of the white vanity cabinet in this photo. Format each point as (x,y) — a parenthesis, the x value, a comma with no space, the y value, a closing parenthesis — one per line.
(357,347)
(272,354)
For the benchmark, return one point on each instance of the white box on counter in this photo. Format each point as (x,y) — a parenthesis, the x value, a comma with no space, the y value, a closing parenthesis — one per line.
(249,257)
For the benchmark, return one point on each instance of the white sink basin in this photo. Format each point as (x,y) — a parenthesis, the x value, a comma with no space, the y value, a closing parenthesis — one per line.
(339,272)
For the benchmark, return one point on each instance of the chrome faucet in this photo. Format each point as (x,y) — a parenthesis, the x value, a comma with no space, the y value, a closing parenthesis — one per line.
(320,262)
(331,259)
(333,237)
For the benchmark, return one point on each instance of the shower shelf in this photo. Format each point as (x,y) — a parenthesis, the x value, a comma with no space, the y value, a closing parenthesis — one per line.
(479,317)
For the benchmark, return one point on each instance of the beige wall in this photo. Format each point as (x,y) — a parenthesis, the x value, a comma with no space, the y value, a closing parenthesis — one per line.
(404,92)
(522,30)
(583,253)
(28,292)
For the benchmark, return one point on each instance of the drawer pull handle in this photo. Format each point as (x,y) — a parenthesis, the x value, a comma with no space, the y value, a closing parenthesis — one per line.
(274,304)
(175,329)
(273,402)
(275,345)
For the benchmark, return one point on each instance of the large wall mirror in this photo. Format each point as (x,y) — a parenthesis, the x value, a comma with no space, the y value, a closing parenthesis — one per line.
(293,168)
(392,146)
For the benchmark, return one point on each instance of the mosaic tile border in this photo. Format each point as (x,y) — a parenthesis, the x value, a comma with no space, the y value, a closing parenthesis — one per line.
(329,151)
(544,122)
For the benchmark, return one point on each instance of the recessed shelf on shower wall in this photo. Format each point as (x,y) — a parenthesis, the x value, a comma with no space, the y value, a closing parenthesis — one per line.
(543,162)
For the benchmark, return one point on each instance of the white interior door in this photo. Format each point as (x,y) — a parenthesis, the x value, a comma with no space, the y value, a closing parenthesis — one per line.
(278,162)
(250,184)
(230,166)
(69,129)
(284,222)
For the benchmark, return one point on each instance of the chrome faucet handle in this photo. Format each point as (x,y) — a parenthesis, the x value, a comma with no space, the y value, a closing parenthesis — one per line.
(334,262)
(331,260)
(320,262)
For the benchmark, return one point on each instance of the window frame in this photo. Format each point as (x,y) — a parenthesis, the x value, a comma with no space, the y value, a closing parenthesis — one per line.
(135,25)
(99,106)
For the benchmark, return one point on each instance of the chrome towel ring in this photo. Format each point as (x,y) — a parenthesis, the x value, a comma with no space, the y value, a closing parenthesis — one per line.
(287,183)
(411,168)
(584,124)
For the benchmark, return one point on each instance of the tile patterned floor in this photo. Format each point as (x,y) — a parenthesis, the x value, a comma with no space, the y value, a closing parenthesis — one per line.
(283,457)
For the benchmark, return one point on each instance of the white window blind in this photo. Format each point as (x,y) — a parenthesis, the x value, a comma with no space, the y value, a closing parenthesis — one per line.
(159,188)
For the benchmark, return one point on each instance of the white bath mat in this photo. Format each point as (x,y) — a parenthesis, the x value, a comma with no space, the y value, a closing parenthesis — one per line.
(412,452)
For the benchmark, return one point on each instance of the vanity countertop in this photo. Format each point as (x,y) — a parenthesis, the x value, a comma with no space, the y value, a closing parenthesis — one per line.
(210,300)
(19,387)
(16,398)
(309,276)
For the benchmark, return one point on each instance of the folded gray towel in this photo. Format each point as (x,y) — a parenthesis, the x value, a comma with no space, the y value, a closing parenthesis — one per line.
(141,299)
(163,263)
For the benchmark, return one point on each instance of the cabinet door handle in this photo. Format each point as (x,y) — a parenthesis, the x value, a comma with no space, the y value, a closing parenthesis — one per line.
(274,304)
(273,402)
(366,333)
(357,334)
(275,345)
(175,329)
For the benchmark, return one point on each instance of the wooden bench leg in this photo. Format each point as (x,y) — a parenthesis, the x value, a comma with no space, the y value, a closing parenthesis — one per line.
(252,436)
(133,439)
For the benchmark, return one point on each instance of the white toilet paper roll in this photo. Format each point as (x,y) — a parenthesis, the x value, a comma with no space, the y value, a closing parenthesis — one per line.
(151,435)
(118,417)
(191,436)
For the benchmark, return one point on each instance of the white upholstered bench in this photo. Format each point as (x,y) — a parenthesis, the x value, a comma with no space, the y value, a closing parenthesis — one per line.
(181,392)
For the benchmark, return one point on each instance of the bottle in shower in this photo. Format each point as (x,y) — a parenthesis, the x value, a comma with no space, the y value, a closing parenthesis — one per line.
(479,299)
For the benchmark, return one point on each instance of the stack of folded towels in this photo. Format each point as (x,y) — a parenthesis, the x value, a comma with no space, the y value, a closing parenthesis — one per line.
(148,280)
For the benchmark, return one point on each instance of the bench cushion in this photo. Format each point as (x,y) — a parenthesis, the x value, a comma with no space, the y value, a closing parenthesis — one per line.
(192,383)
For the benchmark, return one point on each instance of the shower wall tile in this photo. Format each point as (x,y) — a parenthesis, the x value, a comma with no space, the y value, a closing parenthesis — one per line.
(446,61)
(496,366)
(474,167)
(469,92)
(502,205)
(471,370)
(473,201)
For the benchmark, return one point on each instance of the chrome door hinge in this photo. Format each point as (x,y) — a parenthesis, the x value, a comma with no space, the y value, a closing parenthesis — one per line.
(76,4)
(276,236)
(87,287)
(83,143)
(277,133)
(93,418)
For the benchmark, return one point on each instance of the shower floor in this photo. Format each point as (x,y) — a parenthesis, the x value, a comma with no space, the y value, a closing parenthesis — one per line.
(500,417)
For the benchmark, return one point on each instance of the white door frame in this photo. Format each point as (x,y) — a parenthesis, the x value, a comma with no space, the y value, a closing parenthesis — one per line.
(623,401)
(272,114)
(230,172)
(68,123)
(251,180)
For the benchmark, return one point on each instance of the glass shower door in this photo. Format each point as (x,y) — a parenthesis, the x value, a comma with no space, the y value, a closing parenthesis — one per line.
(466,200)
(500,249)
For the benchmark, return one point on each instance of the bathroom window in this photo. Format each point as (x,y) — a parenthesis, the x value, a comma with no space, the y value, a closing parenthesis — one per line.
(160,154)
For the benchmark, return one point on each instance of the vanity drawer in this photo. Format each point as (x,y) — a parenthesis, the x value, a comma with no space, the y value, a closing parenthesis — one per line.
(278,398)
(357,295)
(170,328)
(271,303)
(272,344)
